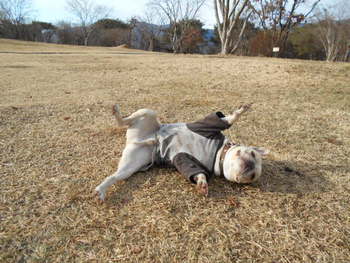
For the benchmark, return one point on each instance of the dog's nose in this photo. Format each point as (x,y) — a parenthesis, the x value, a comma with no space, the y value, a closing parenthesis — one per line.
(249,165)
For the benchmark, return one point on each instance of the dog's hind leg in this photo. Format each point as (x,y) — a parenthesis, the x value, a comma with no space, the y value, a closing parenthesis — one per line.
(134,158)
(148,115)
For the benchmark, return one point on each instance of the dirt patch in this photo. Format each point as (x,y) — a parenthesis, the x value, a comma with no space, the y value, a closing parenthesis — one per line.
(123,46)
(17,66)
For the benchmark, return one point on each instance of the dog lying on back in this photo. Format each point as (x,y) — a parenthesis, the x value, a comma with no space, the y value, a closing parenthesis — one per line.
(198,150)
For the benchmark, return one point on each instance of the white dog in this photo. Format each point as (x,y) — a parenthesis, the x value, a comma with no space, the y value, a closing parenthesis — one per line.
(197,150)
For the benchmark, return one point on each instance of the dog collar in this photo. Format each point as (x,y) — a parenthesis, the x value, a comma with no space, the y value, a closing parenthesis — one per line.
(225,149)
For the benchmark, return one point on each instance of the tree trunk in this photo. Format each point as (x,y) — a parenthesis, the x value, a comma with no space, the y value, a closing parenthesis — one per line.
(347,55)
(151,44)
(224,49)
(230,16)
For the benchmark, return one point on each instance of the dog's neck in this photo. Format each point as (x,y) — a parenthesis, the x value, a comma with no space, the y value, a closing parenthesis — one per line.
(220,157)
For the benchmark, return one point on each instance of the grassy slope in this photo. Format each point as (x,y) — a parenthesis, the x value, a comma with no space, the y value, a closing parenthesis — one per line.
(58,141)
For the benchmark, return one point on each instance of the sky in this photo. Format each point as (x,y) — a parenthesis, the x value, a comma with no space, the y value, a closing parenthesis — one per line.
(55,10)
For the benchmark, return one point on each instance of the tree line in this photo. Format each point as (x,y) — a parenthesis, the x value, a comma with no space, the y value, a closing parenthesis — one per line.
(307,29)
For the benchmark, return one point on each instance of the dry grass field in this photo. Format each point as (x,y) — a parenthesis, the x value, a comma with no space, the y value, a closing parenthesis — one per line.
(58,140)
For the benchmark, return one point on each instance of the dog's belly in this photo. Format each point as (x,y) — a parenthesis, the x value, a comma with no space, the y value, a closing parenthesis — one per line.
(177,138)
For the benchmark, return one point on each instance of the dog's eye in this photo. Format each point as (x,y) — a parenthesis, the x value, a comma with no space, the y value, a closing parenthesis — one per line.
(253,154)
(238,153)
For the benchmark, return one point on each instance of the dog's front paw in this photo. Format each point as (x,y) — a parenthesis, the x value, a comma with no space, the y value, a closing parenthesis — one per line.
(202,188)
(243,108)
(100,193)
(202,185)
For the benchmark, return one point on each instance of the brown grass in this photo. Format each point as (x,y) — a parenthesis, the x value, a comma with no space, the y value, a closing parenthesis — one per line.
(58,141)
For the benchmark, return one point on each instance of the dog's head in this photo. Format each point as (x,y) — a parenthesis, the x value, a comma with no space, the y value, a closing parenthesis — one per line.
(242,164)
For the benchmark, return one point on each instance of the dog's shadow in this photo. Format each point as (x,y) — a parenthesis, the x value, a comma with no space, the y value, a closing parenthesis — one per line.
(286,177)
(278,176)
(123,192)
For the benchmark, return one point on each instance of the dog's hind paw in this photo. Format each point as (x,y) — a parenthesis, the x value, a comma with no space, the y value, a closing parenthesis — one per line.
(116,109)
(100,194)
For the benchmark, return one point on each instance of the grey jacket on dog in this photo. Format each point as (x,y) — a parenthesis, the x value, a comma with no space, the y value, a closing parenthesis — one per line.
(191,147)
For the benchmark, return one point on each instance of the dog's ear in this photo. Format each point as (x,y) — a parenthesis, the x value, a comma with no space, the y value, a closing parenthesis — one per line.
(262,150)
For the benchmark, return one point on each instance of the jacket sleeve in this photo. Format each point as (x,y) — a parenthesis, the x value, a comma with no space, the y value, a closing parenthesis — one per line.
(189,166)
(211,126)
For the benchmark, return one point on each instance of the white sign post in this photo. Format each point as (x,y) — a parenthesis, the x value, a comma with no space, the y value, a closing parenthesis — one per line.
(275,51)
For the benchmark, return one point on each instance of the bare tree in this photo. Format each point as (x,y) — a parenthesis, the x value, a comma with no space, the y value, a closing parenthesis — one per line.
(132,24)
(149,28)
(333,30)
(2,14)
(280,16)
(87,13)
(230,15)
(13,14)
(66,33)
(174,12)
(329,34)
(48,35)
(346,43)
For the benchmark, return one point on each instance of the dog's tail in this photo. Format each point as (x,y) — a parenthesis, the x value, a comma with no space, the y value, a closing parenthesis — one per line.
(146,114)
(117,115)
